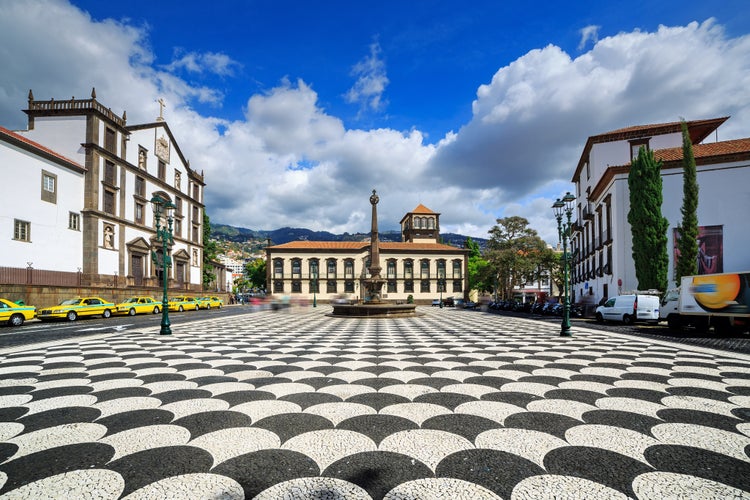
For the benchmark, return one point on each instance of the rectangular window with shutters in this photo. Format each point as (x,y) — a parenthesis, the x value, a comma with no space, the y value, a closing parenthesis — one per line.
(109,140)
(162,170)
(110,173)
(139,213)
(21,230)
(109,202)
(140,186)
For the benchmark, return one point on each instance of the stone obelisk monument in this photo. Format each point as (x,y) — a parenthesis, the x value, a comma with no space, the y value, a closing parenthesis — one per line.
(375,283)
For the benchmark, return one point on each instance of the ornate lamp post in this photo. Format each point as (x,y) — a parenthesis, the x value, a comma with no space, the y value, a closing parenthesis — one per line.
(164,208)
(441,285)
(314,283)
(560,207)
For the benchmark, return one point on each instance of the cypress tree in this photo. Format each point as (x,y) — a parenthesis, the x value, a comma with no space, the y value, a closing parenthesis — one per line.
(687,245)
(647,225)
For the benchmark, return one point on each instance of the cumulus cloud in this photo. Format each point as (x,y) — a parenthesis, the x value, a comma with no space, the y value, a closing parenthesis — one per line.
(531,121)
(205,62)
(371,81)
(288,162)
(589,33)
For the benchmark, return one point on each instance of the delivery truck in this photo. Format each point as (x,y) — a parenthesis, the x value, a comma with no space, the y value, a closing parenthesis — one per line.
(721,301)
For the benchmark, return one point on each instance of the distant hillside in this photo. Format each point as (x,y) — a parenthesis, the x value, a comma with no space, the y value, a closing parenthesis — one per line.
(224,232)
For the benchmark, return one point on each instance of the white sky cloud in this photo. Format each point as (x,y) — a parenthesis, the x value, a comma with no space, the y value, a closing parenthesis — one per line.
(371,81)
(589,33)
(287,162)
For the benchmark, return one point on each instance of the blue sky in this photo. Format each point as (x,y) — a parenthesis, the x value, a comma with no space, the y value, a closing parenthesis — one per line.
(297,110)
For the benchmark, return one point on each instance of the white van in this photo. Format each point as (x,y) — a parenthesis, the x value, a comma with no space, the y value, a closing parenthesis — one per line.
(629,308)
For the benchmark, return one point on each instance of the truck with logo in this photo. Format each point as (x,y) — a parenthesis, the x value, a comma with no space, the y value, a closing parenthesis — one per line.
(721,301)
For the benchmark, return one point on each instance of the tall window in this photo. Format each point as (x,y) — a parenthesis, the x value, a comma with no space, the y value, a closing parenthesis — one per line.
(331,268)
(408,269)
(21,230)
(49,187)
(139,213)
(349,269)
(296,268)
(177,205)
(278,268)
(424,269)
(441,268)
(110,173)
(162,170)
(109,202)
(178,228)
(74,221)
(196,192)
(391,269)
(195,235)
(457,268)
(314,272)
(109,140)
(140,186)
(196,213)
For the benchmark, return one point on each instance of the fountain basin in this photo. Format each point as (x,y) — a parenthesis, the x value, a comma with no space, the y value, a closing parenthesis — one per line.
(379,310)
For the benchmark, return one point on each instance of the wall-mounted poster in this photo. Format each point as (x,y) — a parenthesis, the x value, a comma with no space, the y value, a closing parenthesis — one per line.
(710,249)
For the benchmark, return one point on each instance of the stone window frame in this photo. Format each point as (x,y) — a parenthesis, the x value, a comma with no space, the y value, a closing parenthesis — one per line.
(74,221)
(21,230)
(49,187)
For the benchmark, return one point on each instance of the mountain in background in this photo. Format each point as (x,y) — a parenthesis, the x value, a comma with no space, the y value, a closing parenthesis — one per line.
(254,240)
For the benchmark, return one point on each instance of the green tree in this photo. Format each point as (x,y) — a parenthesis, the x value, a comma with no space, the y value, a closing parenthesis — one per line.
(477,266)
(255,272)
(210,251)
(647,225)
(516,254)
(687,243)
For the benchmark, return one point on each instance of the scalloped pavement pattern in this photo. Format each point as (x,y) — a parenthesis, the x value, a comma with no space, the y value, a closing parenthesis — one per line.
(450,405)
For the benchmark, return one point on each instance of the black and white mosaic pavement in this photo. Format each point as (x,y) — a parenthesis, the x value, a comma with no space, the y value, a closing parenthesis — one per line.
(451,405)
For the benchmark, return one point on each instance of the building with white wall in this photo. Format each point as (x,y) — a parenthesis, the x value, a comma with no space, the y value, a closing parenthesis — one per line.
(82,184)
(601,240)
(418,266)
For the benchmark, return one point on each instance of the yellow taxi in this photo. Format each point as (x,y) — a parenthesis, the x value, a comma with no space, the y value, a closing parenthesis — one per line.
(139,305)
(14,313)
(183,303)
(209,302)
(72,309)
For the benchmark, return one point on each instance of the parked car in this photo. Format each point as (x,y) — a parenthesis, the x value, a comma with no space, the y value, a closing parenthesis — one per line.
(14,313)
(72,309)
(449,302)
(629,308)
(183,303)
(209,302)
(139,305)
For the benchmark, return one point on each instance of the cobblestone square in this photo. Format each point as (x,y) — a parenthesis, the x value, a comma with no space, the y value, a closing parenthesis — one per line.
(450,405)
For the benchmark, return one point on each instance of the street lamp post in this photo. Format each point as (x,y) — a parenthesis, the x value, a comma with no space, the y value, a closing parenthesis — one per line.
(560,208)
(315,286)
(441,284)
(164,208)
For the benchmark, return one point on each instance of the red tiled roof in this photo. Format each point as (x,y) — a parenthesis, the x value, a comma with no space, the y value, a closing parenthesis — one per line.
(698,130)
(361,245)
(723,148)
(421,209)
(35,145)
(322,245)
